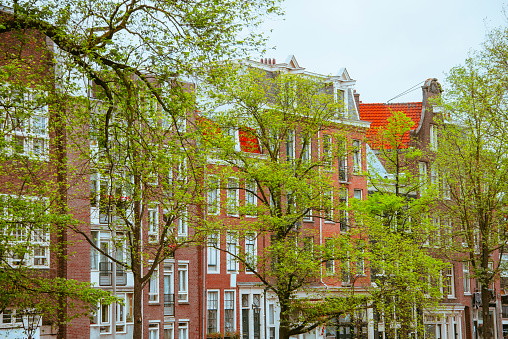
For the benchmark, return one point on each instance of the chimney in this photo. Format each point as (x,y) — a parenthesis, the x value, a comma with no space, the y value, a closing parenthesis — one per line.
(357,98)
(266,61)
(273,61)
(261,61)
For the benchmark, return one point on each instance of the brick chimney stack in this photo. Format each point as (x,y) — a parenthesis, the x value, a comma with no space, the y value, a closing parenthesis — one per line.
(357,98)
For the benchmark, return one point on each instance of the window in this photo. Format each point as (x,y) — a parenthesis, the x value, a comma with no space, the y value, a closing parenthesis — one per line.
(169,331)
(120,314)
(153,290)
(360,263)
(94,254)
(250,249)
(330,263)
(306,149)
(434,177)
(290,146)
(466,276)
(232,251)
(328,205)
(105,326)
(183,330)
(343,214)
(169,296)
(30,136)
(357,156)
(345,272)
(251,199)
(422,169)
(308,215)
(212,310)
(433,137)
(229,311)
(153,331)
(183,230)
(271,321)
(358,194)
(11,316)
(232,196)
(153,225)
(446,187)
(327,152)
(183,283)
(213,259)
(448,283)
(214,196)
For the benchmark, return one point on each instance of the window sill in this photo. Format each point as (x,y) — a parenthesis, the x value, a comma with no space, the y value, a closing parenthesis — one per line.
(212,272)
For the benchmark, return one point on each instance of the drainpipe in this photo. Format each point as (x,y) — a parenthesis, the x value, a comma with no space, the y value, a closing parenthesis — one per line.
(321,244)
(113,282)
(203,315)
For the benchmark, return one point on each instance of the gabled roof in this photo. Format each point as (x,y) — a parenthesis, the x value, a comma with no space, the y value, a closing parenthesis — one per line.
(378,114)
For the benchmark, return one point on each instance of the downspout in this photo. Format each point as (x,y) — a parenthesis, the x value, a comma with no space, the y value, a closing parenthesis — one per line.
(203,315)
(321,244)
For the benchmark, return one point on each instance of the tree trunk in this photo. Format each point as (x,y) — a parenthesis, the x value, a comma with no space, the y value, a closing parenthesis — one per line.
(138,298)
(488,330)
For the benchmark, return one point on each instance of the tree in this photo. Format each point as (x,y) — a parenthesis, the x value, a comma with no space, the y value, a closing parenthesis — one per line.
(473,158)
(132,56)
(29,213)
(274,178)
(405,274)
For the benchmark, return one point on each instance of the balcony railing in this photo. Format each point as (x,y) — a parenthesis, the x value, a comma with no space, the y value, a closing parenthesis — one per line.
(106,274)
(169,304)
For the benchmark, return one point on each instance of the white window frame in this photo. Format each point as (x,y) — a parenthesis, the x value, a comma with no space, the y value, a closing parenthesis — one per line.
(233,293)
(183,283)
(449,275)
(233,199)
(466,277)
(213,254)
(232,264)
(251,198)
(121,312)
(358,194)
(251,249)
(153,225)
(171,328)
(423,176)
(213,196)
(329,264)
(290,146)
(153,287)
(183,330)
(357,156)
(306,153)
(212,304)
(105,326)
(433,137)
(153,329)
(183,226)
(328,215)
(327,152)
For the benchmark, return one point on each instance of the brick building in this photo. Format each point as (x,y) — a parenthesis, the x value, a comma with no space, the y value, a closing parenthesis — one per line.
(458,315)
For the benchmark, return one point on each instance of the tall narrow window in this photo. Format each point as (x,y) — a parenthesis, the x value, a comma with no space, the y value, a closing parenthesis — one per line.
(306,149)
(433,137)
(183,283)
(153,290)
(213,196)
(250,249)
(153,225)
(232,196)
(328,204)
(344,222)
(327,151)
(213,253)
(422,169)
(448,284)
(251,199)
(434,177)
(290,146)
(229,311)
(183,230)
(330,263)
(357,156)
(446,187)
(169,296)
(153,331)
(94,264)
(232,251)
(212,310)
(466,276)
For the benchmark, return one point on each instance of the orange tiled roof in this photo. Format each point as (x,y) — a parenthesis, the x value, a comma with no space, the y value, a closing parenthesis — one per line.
(378,113)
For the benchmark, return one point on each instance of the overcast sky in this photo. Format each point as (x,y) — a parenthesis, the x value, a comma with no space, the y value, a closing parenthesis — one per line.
(387,46)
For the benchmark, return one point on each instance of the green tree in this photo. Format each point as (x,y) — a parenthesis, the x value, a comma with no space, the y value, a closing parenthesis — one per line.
(473,158)
(406,277)
(282,177)
(119,67)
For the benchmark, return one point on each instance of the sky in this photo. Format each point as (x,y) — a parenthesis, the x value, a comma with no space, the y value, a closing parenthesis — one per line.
(387,46)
